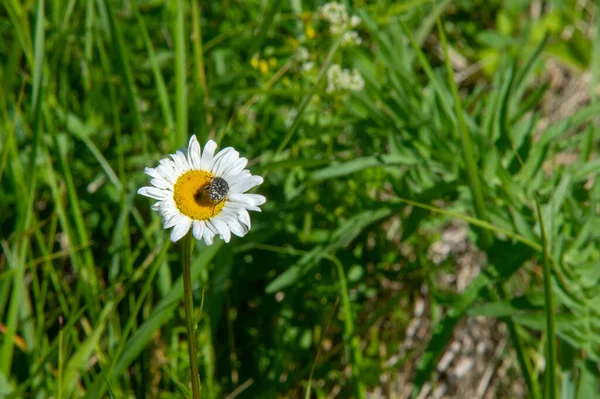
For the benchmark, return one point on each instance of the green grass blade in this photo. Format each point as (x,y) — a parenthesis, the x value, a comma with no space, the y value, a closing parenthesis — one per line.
(551,358)
(19,302)
(199,64)
(433,78)
(467,145)
(161,88)
(79,360)
(352,341)
(181,105)
(125,71)
(361,163)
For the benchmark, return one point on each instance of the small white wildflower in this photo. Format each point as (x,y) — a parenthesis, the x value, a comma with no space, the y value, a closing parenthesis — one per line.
(357,82)
(302,54)
(336,30)
(351,38)
(333,74)
(307,66)
(336,14)
(339,79)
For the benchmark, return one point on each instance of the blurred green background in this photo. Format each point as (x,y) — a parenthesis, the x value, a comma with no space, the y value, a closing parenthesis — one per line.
(431,226)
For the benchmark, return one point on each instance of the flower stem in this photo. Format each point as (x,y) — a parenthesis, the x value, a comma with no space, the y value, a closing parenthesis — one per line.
(189,314)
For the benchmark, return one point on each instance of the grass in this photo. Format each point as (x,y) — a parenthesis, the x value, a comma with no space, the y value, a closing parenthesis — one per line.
(469,117)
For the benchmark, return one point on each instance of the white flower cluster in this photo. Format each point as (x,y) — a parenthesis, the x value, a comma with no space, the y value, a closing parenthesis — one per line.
(351,38)
(339,79)
(303,58)
(307,66)
(340,22)
(302,54)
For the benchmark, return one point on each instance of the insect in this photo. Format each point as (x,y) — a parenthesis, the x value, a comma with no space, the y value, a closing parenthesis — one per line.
(217,191)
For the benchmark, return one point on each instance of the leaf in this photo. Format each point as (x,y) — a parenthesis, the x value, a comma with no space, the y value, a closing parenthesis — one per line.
(79,360)
(5,386)
(587,386)
(348,231)
(342,237)
(510,308)
(294,273)
(362,163)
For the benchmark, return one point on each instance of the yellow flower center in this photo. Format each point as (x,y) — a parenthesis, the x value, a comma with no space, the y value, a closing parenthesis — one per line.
(191,195)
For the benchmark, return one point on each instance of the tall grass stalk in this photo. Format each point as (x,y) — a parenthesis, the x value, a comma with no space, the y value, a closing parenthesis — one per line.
(352,340)
(551,359)
(188,300)
(467,145)
(181,105)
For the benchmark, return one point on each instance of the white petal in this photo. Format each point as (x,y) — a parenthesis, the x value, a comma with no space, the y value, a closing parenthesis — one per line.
(225,151)
(211,227)
(246,184)
(236,228)
(241,205)
(228,215)
(153,192)
(222,228)
(236,179)
(167,211)
(234,205)
(168,207)
(223,160)
(250,199)
(198,229)
(208,236)
(181,229)
(156,206)
(180,161)
(194,155)
(161,183)
(256,199)
(167,170)
(152,172)
(173,220)
(235,168)
(244,217)
(208,155)
(167,215)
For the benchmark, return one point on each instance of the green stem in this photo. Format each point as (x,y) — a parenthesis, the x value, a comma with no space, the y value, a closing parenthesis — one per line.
(467,145)
(352,340)
(551,360)
(189,314)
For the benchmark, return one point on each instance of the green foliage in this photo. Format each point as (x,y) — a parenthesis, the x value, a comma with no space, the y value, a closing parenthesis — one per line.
(360,181)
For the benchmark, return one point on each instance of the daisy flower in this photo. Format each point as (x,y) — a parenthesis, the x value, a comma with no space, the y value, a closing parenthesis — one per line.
(204,191)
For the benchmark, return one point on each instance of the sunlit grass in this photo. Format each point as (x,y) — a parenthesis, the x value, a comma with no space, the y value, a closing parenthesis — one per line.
(319,296)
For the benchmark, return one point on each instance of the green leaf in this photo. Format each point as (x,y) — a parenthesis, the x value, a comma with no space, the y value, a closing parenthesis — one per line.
(350,229)
(295,272)
(5,386)
(358,164)
(341,238)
